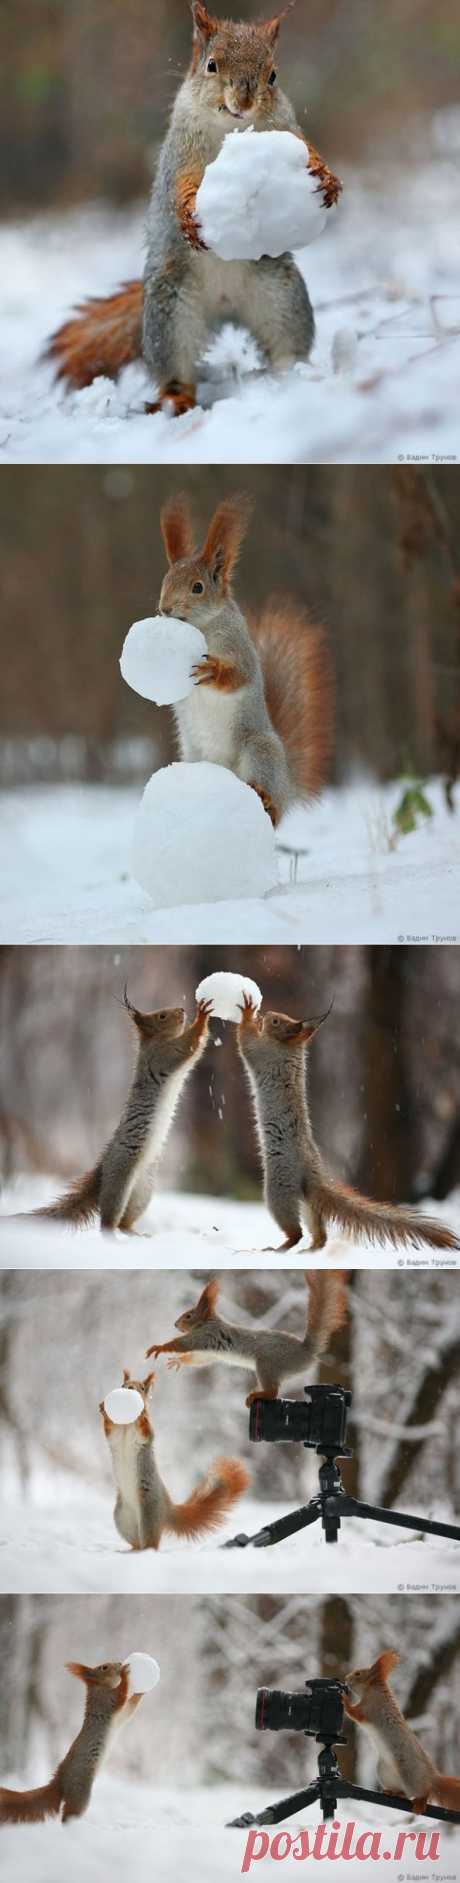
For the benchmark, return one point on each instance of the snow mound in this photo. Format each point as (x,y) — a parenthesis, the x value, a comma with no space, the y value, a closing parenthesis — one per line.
(123,1405)
(157,658)
(226,992)
(201,835)
(259,197)
(144,1672)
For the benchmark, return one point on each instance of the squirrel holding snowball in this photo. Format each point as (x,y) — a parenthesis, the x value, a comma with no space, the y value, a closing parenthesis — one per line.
(144,1508)
(108,1705)
(299,1189)
(120,1186)
(187,290)
(262,700)
(274,1356)
(402,1765)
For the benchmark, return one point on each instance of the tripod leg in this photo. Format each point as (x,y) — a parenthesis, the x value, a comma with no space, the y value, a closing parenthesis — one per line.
(353,1507)
(284,1808)
(282,1527)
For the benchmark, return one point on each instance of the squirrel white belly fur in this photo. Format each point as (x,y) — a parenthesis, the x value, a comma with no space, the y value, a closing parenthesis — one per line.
(144,1508)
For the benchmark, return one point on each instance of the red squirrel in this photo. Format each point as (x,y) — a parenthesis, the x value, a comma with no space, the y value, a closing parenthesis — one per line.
(299,1189)
(144,1508)
(273,1355)
(402,1763)
(169,318)
(108,1705)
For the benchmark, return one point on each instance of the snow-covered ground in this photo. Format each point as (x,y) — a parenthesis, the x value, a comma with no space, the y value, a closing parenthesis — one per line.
(384,281)
(151,1833)
(62,1538)
(64,870)
(190,1232)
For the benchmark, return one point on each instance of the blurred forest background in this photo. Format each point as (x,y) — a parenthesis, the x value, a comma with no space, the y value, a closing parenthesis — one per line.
(398,1352)
(384,1072)
(199,1729)
(87,85)
(371,552)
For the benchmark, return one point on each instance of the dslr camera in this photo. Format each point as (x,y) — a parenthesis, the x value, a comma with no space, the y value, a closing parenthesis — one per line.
(317,1710)
(320,1420)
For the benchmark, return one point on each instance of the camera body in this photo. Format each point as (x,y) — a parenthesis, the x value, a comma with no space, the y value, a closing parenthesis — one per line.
(319,1421)
(317,1710)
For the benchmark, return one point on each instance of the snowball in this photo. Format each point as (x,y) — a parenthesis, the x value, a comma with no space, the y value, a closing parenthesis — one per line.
(158,655)
(259,197)
(144,1672)
(226,992)
(202,836)
(123,1405)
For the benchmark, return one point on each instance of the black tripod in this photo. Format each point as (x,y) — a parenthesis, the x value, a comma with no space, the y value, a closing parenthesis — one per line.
(326,1789)
(332,1502)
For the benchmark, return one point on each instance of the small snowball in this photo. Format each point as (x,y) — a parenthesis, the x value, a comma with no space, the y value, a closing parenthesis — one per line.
(259,197)
(226,992)
(158,655)
(123,1405)
(202,836)
(144,1672)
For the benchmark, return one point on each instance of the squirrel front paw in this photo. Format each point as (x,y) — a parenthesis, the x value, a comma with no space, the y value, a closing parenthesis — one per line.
(247,1010)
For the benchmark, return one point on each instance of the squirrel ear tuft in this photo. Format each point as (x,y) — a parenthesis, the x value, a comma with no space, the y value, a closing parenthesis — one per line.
(386,1662)
(208,1298)
(176,529)
(225,535)
(271,28)
(203,23)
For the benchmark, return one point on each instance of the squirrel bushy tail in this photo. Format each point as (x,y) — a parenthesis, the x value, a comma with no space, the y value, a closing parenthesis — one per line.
(210,1501)
(381,1222)
(102,336)
(448,1792)
(299,690)
(79,1204)
(31,1807)
(327,1304)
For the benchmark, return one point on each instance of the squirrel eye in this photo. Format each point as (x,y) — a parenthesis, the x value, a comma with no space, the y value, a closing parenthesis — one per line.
(198,588)
(211,66)
(272,77)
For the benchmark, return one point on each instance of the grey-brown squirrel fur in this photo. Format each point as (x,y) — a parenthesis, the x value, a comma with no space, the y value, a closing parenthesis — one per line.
(283,753)
(121,1184)
(108,1705)
(188,292)
(299,1189)
(144,1508)
(273,1355)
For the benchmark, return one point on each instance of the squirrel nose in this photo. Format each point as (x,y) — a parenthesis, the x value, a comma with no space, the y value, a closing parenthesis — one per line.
(164,611)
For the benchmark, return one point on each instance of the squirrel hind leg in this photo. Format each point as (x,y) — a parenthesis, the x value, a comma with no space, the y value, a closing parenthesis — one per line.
(173,398)
(281,1248)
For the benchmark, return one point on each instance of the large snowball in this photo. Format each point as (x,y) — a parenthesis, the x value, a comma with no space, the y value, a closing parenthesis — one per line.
(158,655)
(259,197)
(144,1672)
(202,836)
(226,992)
(123,1405)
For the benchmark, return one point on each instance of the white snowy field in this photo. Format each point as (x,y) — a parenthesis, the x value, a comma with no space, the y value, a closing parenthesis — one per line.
(181,1231)
(61,1539)
(64,870)
(147,1832)
(384,281)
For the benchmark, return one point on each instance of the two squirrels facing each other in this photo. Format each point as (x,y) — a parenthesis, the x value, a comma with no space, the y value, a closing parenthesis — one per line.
(144,1508)
(402,1763)
(263,699)
(299,1189)
(273,1356)
(121,1184)
(187,292)
(108,1705)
